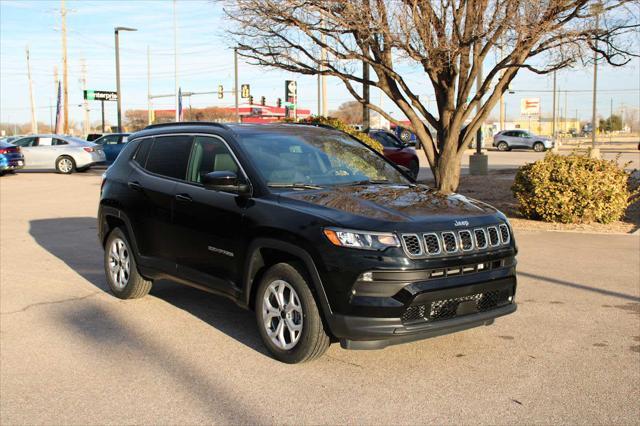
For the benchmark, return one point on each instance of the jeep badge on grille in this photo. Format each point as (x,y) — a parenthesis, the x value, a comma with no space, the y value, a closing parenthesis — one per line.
(461,223)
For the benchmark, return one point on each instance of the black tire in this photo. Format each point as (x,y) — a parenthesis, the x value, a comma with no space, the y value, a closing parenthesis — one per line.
(62,165)
(414,168)
(539,147)
(313,341)
(136,285)
(503,146)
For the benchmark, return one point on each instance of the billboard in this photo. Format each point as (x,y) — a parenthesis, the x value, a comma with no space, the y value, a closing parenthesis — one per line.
(530,106)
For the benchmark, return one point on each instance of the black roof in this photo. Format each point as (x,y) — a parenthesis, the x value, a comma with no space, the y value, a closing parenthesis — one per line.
(237,128)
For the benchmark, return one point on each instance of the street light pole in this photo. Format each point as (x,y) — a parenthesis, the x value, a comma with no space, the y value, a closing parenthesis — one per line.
(235,89)
(119,95)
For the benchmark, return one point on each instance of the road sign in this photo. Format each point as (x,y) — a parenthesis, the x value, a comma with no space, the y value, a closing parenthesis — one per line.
(530,106)
(290,90)
(100,95)
(220,92)
(245,91)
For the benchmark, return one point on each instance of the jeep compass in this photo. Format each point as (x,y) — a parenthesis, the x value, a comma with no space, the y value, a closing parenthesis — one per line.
(321,236)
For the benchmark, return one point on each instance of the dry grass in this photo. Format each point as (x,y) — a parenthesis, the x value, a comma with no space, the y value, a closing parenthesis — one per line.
(495,189)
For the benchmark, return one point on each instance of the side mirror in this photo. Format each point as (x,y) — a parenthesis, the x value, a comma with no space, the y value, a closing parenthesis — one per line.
(225,181)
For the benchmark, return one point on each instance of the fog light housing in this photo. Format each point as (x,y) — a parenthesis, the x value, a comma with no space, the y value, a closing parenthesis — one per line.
(366,276)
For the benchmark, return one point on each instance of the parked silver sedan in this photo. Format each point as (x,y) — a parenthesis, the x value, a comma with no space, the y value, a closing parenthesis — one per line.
(65,154)
(509,139)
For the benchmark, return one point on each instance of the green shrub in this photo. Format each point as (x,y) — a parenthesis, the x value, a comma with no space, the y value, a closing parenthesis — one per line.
(572,189)
(342,126)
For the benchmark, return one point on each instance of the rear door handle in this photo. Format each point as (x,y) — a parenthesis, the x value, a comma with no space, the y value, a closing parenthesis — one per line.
(135,186)
(184,198)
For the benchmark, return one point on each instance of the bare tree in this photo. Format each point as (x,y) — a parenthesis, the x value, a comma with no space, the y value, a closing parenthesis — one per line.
(349,112)
(448,40)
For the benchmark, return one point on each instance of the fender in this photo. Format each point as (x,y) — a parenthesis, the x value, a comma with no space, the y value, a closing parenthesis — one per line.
(103,213)
(252,264)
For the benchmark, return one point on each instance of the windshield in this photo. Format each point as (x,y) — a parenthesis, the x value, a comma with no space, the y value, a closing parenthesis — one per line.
(316,158)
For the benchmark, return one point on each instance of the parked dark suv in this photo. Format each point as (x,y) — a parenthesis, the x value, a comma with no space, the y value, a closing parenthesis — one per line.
(318,234)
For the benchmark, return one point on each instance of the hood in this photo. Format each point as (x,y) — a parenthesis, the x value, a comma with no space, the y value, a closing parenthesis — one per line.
(388,203)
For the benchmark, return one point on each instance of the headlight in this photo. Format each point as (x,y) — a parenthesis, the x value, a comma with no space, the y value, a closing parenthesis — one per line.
(361,239)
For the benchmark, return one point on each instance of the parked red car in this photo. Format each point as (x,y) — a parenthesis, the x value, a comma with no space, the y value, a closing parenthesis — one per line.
(397,151)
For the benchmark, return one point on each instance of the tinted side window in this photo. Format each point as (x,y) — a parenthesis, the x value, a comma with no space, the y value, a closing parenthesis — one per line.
(142,152)
(209,155)
(383,139)
(59,142)
(25,142)
(169,156)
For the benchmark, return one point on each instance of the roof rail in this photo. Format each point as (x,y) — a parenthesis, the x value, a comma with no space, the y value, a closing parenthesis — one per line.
(186,123)
(302,123)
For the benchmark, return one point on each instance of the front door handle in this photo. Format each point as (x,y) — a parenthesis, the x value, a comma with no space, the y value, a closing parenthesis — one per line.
(184,198)
(135,186)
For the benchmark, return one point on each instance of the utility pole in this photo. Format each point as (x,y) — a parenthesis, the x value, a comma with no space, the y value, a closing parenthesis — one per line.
(65,74)
(366,117)
(85,104)
(149,111)
(479,162)
(610,119)
(235,76)
(322,81)
(175,58)
(34,121)
(564,127)
(116,32)
(502,109)
(553,116)
(596,9)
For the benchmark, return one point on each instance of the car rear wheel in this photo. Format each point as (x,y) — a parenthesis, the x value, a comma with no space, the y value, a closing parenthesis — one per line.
(503,146)
(121,270)
(65,165)
(405,135)
(288,318)
(538,147)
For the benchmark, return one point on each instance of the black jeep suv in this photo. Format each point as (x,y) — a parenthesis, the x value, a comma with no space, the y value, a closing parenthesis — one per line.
(318,234)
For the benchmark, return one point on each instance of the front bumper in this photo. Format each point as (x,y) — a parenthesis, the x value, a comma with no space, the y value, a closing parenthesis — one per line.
(430,313)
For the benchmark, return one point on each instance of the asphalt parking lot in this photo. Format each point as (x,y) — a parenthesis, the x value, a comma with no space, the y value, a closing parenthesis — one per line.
(72,353)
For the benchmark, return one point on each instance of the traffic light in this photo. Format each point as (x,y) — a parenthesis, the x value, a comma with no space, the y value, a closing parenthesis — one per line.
(279,103)
(250,99)
(263,101)
(220,92)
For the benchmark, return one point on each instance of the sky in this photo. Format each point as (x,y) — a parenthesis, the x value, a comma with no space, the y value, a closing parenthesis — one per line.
(205,60)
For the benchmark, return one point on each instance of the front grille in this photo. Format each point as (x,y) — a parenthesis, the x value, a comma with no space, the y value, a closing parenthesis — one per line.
(504,234)
(451,242)
(466,242)
(412,245)
(481,238)
(443,309)
(432,243)
(494,239)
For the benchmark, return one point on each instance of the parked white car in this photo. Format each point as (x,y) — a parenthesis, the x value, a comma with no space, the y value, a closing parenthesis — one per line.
(65,154)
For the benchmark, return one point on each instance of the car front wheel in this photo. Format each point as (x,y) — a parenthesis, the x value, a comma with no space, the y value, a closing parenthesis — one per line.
(288,318)
(538,147)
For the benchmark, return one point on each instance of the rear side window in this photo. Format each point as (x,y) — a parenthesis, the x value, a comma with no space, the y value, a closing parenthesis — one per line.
(59,142)
(169,156)
(142,152)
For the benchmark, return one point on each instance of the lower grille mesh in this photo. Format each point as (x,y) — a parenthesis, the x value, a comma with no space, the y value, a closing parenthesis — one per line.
(443,309)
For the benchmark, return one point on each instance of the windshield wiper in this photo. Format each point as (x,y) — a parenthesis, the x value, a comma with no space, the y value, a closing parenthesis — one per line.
(367,182)
(297,185)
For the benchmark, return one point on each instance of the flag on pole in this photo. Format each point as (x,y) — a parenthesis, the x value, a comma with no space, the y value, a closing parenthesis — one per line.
(58,128)
(180,111)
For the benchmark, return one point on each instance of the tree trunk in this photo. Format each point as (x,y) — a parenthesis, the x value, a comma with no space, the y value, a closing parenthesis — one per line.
(446,166)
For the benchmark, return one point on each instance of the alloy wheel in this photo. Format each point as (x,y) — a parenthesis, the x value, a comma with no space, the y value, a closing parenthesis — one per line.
(282,314)
(119,263)
(65,165)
